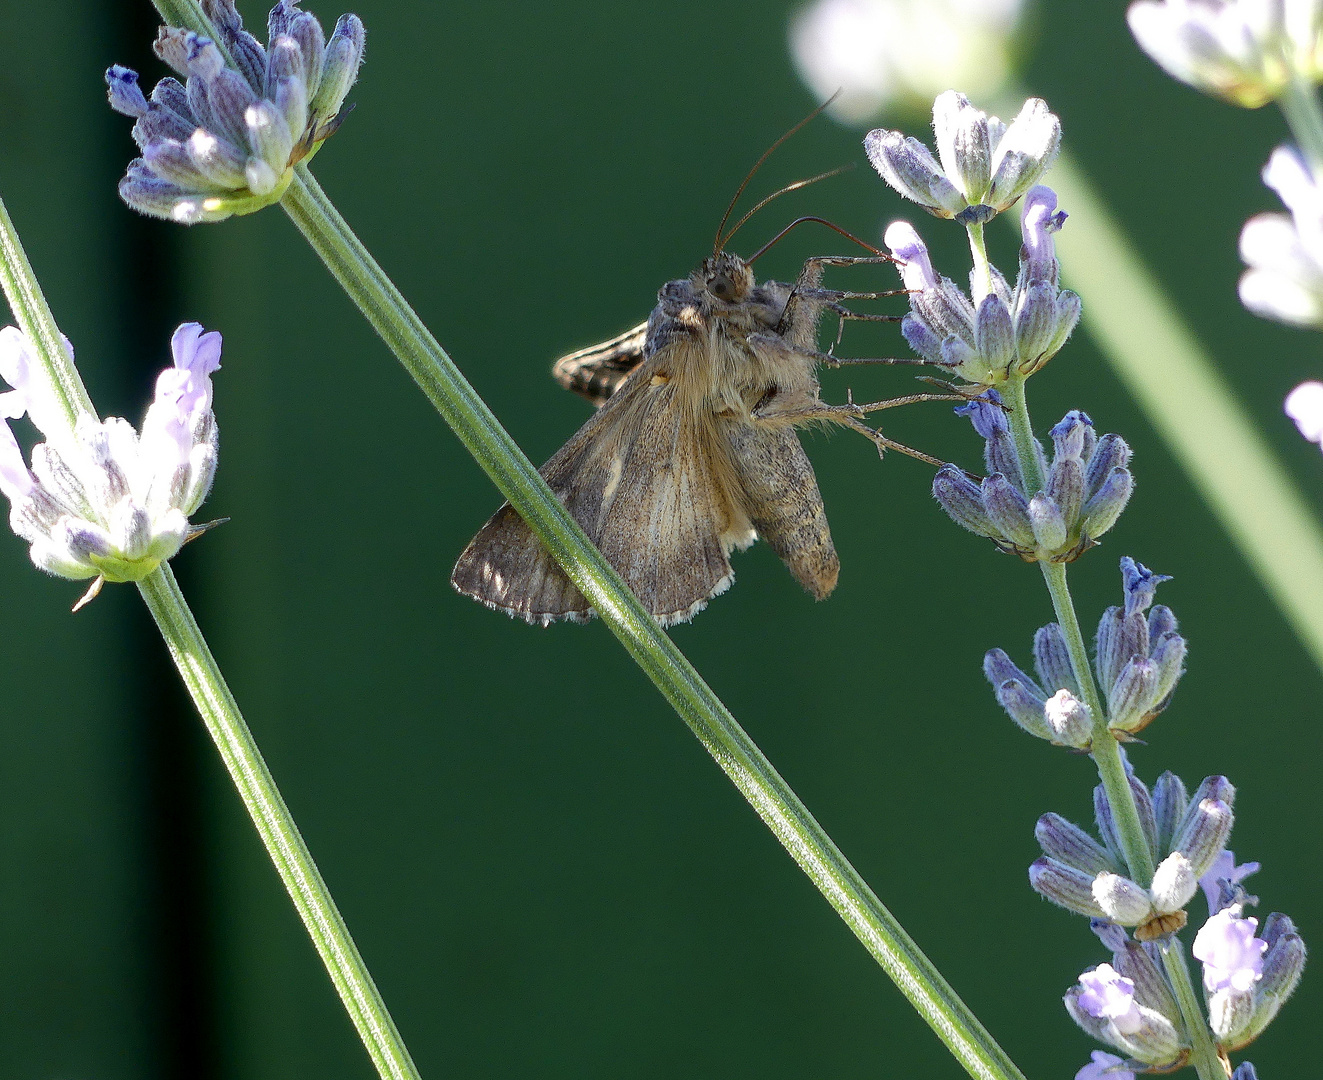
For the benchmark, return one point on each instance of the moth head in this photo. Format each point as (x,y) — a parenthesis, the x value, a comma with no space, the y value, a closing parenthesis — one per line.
(726,278)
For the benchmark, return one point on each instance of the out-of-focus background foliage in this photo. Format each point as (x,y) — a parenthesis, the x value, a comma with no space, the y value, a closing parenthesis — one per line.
(546,874)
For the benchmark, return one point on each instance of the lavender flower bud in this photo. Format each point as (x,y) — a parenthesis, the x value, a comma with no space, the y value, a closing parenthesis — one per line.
(1121,900)
(962,500)
(1131,696)
(1049,523)
(1010,515)
(1024,708)
(910,168)
(1169,803)
(1203,834)
(1069,721)
(1245,1071)
(1110,453)
(1174,884)
(1071,846)
(1104,506)
(1065,886)
(1052,660)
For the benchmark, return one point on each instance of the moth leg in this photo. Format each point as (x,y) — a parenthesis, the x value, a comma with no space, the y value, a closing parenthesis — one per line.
(771,341)
(799,408)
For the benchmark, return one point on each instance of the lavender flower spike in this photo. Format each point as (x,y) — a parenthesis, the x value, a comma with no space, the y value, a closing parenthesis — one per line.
(1285,254)
(227,141)
(985,164)
(1007,333)
(105,501)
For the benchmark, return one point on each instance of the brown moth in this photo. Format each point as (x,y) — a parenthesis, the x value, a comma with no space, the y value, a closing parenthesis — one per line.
(693,452)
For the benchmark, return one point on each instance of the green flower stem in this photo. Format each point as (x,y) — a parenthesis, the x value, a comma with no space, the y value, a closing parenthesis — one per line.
(978,248)
(218,709)
(276,826)
(1105,750)
(1191,406)
(34,318)
(1299,103)
(737,754)
(1203,1054)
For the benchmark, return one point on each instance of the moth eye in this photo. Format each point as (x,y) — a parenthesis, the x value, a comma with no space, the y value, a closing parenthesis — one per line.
(721,287)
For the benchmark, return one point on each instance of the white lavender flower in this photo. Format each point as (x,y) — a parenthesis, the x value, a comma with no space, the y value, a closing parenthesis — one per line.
(1285,254)
(1087,877)
(985,165)
(1003,334)
(1087,486)
(1304,405)
(226,141)
(880,53)
(1242,51)
(103,500)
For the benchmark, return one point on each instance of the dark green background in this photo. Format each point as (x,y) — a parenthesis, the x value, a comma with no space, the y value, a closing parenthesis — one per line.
(545,872)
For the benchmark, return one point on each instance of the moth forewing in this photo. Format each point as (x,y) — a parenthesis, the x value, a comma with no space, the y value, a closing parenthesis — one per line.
(693,455)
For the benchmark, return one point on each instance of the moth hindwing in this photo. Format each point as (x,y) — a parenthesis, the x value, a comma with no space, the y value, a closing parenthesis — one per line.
(692,453)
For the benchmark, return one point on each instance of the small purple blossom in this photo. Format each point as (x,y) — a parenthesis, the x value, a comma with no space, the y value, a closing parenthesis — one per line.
(1039,219)
(1224,869)
(1105,1066)
(985,412)
(1108,995)
(1232,956)
(1140,584)
(906,244)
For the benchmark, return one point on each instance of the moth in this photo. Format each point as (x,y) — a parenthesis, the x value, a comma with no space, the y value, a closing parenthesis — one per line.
(693,451)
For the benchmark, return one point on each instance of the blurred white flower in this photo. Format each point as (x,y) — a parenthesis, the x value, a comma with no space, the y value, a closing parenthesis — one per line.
(1304,405)
(1243,51)
(880,53)
(1285,254)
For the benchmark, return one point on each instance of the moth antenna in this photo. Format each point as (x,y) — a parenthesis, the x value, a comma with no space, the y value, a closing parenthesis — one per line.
(821,221)
(717,243)
(785,190)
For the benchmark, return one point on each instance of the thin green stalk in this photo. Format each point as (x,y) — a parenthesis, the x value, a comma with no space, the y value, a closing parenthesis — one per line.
(1203,1054)
(978,248)
(218,709)
(500,457)
(1105,750)
(274,823)
(34,318)
(1300,105)
(1192,407)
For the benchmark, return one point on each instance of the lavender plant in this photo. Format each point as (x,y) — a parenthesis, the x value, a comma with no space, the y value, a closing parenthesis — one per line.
(1154,847)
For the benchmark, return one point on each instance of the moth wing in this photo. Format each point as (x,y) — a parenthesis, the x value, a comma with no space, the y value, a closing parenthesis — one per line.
(598,371)
(782,500)
(643,479)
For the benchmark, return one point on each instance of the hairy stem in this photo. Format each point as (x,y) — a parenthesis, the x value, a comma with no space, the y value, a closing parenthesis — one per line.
(1203,1053)
(978,248)
(274,823)
(1105,750)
